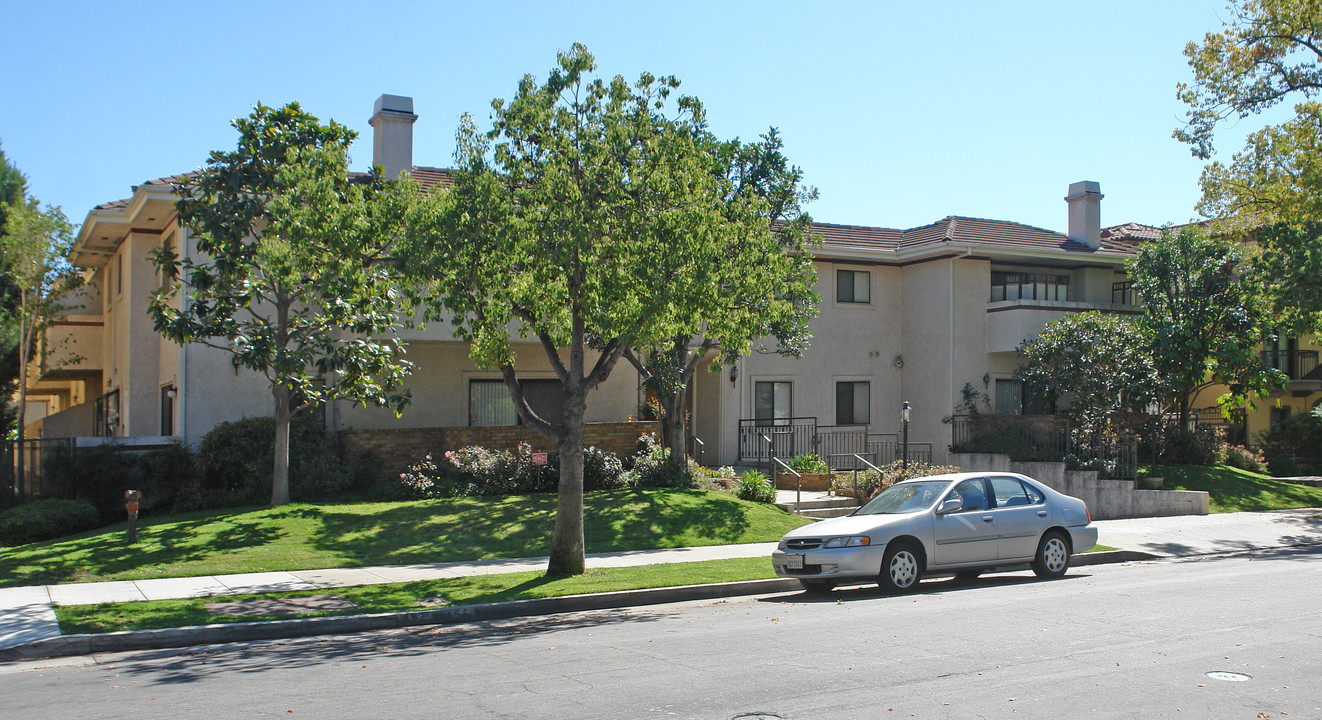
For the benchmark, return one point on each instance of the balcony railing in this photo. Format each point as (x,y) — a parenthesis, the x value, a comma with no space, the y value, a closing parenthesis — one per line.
(759,440)
(1297,365)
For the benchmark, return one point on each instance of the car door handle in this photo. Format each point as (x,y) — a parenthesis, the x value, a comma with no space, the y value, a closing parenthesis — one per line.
(987,518)
(1041,513)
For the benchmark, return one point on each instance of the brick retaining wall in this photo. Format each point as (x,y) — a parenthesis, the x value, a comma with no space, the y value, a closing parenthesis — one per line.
(395,449)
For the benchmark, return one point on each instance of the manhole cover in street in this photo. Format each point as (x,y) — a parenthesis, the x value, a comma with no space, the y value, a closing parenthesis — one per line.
(756,716)
(1228,676)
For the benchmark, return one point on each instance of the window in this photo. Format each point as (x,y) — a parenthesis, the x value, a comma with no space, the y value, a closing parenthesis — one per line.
(853,286)
(489,402)
(1029,286)
(852,403)
(1122,293)
(1009,397)
(105,415)
(168,394)
(771,403)
(972,493)
(1010,492)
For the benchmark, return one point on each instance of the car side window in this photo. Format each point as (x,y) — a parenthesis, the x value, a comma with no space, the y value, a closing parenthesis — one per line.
(1009,492)
(972,493)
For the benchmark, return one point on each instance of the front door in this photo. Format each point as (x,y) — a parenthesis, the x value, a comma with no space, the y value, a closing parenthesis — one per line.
(968,535)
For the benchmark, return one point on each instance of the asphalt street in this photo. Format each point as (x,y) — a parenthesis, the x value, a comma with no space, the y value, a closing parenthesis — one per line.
(1136,640)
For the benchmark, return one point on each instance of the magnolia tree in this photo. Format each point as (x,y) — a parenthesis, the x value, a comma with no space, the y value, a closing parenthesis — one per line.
(594,217)
(292,274)
(1268,53)
(758,289)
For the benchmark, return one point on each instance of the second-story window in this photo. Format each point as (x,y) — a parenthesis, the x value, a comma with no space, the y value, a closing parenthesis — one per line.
(852,400)
(1029,286)
(853,286)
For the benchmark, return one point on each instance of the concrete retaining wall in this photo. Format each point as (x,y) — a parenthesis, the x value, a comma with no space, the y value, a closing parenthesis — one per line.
(1107,499)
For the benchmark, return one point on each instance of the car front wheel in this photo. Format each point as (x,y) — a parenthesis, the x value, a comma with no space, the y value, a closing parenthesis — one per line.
(1053,556)
(901,568)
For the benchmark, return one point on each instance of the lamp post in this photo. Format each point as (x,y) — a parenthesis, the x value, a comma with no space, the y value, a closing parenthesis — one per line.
(904,426)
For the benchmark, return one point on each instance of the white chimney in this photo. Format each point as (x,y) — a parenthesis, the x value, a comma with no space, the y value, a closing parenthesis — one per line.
(392,137)
(1085,201)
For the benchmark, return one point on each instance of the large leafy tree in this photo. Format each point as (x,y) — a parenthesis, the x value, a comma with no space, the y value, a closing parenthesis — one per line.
(34,249)
(13,190)
(585,218)
(754,290)
(1268,53)
(292,275)
(1098,362)
(1203,322)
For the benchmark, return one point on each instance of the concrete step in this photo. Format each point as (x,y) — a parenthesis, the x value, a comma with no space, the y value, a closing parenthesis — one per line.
(823,513)
(818,503)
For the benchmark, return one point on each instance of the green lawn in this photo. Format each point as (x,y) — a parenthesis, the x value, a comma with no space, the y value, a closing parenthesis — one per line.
(402,597)
(1234,490)
(300,537)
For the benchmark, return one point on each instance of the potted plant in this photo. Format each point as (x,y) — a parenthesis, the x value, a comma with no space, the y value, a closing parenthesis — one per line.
(814,474)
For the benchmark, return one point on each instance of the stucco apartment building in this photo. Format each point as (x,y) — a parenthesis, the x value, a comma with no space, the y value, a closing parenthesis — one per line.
(906,315)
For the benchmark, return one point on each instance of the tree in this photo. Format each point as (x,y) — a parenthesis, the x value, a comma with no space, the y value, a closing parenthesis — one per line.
(755,289)
(586,218)
(1100,362)
(1203,322)
(13,190)
(295,280)
(1268,52)
(34,248)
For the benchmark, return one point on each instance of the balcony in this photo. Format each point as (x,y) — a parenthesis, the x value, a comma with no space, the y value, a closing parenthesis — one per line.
(1300,368)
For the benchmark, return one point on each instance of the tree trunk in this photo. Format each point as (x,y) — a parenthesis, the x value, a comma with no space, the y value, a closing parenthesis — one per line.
(280,472)
(673,430)
(567,547)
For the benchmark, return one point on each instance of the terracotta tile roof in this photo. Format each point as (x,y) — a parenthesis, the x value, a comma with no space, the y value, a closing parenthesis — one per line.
(1131,233)
(963,231)
(430,177)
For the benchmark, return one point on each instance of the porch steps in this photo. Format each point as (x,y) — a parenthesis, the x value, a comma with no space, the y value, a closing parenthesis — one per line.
(821,508)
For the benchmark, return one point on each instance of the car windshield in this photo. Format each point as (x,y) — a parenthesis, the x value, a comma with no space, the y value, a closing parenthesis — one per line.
(904,498)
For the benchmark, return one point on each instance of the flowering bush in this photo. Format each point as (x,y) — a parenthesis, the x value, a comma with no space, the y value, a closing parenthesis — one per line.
(1238,456)
(808,463)
(871,482)
(754,486)
(475,470)
(650,467)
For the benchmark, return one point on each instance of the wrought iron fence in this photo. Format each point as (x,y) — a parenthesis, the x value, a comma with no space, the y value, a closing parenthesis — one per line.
(21,470)
(1029,438)
(788,437)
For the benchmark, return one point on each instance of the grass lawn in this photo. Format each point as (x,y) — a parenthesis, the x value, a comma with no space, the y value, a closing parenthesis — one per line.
(401,597)
(301,537)
(1234,490)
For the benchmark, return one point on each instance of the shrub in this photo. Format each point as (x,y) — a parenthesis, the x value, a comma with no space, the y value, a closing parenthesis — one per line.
(1200,446)
(101,474)
(754,486)
(871,481)
(650,467)
(602,470)
(1294,447)
(808,463)
(500,472)
(1238,456)
(235,461)
(46,519)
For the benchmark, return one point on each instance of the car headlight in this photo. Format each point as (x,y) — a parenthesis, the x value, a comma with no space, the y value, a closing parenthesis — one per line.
(783,544)
(849,541)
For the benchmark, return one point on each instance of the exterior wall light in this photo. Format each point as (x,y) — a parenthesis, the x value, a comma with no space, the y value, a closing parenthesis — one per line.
(734,374)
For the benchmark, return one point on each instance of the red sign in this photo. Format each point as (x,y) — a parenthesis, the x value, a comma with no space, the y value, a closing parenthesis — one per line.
(539,458)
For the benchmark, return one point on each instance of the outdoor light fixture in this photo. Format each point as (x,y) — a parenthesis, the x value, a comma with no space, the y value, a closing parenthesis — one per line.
(986,379)
(904,425)
(734,374)
(172,393)
(1154,407)
(899,362)
(234,360)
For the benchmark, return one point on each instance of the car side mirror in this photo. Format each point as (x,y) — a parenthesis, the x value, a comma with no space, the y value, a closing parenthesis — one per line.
(953,504)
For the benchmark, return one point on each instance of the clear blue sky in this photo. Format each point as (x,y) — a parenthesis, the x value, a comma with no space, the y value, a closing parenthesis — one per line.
(901,113)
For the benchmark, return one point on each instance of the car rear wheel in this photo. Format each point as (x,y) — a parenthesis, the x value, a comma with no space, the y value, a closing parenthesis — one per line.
(817,586)
(1053,556)
(901,568)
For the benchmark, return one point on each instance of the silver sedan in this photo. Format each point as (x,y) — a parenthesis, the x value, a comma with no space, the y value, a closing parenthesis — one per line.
(964,524)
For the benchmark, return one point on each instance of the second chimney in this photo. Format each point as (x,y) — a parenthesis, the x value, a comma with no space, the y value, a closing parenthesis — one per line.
(392,134)
(1085,201)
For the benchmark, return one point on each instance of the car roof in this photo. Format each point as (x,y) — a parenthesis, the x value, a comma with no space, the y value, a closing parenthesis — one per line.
(952,477)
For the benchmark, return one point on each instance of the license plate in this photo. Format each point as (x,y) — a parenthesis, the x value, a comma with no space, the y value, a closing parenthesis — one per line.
(794,562)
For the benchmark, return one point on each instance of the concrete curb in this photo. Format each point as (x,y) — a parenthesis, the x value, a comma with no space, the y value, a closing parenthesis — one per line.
(67,645)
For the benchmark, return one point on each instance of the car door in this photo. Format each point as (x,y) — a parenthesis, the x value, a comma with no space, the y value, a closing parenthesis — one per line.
(1022,516)
(968,535)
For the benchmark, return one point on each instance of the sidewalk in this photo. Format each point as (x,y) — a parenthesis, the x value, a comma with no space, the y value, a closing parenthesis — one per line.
(27,614)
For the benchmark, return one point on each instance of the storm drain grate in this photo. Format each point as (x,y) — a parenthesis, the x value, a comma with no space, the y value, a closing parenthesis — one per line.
(1229,676)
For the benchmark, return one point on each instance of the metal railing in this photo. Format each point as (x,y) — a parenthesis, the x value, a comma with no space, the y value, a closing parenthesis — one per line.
(700,452)
(798,482)
(788,437)
(1297,364)
(1023,437)
(22,470)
